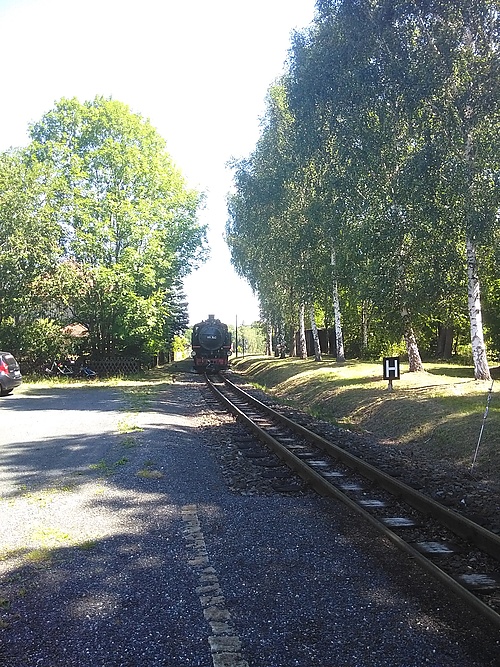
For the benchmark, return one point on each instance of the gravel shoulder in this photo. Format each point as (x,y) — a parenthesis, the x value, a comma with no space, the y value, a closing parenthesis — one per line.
(125,541)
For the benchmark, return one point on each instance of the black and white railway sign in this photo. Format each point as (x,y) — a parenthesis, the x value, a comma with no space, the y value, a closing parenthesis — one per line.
(391,368)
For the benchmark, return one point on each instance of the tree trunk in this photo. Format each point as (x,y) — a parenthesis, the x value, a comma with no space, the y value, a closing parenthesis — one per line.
(481,368)
(339,339)
(317,346)
(364,327)
(302,334)
(269,340)
(293,348)
(445,342)
(414,360)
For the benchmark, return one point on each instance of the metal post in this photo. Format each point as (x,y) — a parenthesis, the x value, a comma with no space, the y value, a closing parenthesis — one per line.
(236,337)
(482,425)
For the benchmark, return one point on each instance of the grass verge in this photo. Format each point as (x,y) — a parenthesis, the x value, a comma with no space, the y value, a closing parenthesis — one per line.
(438,413)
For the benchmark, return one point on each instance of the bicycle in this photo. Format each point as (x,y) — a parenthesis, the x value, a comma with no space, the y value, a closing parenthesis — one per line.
(58,368)
(87,372)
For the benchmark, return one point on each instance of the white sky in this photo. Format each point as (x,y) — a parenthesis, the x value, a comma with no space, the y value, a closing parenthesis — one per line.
(198,69)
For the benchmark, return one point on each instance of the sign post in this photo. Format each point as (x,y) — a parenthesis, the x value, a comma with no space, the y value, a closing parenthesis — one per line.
(391,370)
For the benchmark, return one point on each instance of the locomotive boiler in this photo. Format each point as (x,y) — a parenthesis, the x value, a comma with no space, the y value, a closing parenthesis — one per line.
(210,346)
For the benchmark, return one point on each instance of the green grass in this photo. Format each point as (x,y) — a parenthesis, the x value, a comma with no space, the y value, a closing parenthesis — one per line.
(39,497)
(40,556)
(437,413)
(127,425)
(107,468)
(49,536)
(149,471)
(139,386)
(87,545)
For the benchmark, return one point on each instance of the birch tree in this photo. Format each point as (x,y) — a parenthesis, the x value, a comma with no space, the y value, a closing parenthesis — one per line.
(392,143)
(475,85)
(302,332)
(315,334)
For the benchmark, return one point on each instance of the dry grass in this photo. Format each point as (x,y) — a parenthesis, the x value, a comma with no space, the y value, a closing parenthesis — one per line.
(439,411)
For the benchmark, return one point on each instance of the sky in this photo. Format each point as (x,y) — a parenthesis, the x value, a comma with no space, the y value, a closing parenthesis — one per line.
(199,70)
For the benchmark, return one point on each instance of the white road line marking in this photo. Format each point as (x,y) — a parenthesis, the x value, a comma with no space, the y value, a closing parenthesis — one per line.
(225,645)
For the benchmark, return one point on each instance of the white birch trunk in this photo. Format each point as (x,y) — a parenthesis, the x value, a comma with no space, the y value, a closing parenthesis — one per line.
(302,333)
(339,338)
(317,346)
(414,360)
(481,368)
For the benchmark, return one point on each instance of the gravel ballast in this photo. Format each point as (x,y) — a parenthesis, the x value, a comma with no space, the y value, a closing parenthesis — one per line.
(125,541)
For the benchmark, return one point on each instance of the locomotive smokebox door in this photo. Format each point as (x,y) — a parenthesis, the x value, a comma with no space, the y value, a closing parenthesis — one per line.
(211,337)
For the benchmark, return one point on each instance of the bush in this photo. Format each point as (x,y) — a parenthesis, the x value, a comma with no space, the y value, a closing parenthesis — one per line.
(43,340)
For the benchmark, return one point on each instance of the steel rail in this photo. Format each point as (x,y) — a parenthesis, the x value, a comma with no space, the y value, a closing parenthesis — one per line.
(470,531)
(482,538)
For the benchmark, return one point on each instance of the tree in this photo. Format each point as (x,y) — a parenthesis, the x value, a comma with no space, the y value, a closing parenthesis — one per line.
(380,145)
(464,115)
(260,231)
(29,237)
(130,222)
(269,220)
(343,93)
(403,92)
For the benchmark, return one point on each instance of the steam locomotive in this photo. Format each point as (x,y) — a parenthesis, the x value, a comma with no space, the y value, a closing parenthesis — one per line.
(211,346)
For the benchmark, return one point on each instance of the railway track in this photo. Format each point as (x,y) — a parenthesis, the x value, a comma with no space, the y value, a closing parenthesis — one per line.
(462,555)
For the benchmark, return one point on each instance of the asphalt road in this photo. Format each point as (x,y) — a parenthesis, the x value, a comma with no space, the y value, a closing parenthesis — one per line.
(121,545)
(53,433)
(93,564)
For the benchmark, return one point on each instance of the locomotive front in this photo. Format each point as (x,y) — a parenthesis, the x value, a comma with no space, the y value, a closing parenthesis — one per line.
(211,346)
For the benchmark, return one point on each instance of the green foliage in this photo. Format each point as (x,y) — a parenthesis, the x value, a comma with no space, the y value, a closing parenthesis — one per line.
(29,237)
(44,340)
(381,144)
(491,299)
(251,339)
(180,345)
(130,224)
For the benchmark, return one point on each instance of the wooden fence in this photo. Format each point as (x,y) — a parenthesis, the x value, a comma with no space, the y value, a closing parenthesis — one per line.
(109,366)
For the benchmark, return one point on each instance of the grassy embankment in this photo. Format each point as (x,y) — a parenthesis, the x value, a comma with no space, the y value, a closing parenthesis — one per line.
(436,414)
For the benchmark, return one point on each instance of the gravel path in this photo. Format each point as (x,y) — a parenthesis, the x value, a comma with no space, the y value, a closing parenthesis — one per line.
(122,544)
